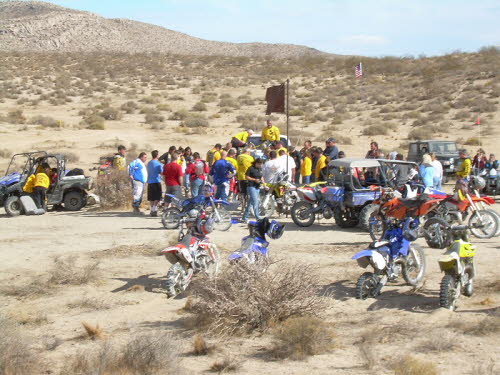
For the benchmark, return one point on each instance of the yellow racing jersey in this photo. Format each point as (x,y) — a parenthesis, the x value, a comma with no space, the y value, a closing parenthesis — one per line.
(271,134)
(244,162)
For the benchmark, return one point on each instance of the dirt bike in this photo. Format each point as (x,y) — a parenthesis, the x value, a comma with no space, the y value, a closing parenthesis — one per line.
(215,207)
(278,196)
(458,267)
(313,203)
(394,255)
(193,254)
(455,209)
(477,184)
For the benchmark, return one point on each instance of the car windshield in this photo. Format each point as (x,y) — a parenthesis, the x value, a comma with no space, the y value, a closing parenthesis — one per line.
(444,147)
(257,141)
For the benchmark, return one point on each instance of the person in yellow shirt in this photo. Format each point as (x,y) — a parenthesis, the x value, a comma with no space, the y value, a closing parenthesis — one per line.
(320,164)
(214,154)
(279,146)
(306,168)
(40,186)
(119,161)
(230,158)
(270,132)
(244,162)
(240,139)
(465,166)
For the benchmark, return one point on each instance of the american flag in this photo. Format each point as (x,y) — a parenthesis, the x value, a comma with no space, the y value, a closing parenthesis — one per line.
(358,70)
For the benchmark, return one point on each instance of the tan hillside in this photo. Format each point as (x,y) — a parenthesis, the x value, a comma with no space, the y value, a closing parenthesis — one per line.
(40,26)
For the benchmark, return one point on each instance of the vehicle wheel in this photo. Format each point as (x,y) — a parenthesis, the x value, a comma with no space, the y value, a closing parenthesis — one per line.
(366,285)
(437,233)
(169,218)
(449,292)
(74,201)
(222,223)
(497,215)
(366,213)
(302,215)
(212,264)
(268,209)
(13,206)
(176,281)
(414,268)
(488,222)
(345,219)
(468,289)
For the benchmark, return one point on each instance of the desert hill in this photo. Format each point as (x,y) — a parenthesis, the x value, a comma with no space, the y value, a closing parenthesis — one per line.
(40,26)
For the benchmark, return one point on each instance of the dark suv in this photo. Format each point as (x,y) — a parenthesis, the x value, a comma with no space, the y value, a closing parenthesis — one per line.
(446,153)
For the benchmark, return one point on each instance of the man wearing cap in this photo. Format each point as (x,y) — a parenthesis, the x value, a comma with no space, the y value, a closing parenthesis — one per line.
(240,139)
(331,150)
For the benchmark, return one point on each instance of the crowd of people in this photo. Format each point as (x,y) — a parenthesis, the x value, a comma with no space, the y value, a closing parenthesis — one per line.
(231,169)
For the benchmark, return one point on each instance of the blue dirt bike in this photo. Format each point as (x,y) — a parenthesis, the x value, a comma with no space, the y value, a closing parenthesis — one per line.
(254,247)
(394,254)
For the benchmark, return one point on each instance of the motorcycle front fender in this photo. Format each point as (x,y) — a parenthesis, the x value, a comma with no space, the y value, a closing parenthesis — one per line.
(366,257)
(450,263)
(220,201)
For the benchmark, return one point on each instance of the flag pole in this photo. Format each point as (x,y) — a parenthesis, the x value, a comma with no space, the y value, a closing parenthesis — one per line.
(287,121)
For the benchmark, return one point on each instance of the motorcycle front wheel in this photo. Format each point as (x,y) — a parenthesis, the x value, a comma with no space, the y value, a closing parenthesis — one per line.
(212,262)
(483,224)
(170,219)
(449,292)
(302,214)
(366,285)
(176,281)
(414,268)
(223,220)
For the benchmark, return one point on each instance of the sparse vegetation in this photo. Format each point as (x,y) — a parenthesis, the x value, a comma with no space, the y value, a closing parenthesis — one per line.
(413,366)
(226,364)
(114,190)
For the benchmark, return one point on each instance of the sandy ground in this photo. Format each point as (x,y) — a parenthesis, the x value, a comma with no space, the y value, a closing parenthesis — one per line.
(399,321)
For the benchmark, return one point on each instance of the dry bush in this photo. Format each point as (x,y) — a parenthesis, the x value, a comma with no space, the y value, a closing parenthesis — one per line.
(195,122)
(200,107)
(439,342)
(484,369)
(15,117)
(114,190)
(93,122)
(4,153)
(151,118)
(473,141)
(200,346)
(89,304)
(164,108)
(111,114)
(71,157)
(17,357)
(129,107)
(301,337)
(94,333)
(243,298)
(28,316)
(485,326)
(181,114)
(412,366)
(46,122)
(226,364)
(151,354)
(376,129)
(65,271)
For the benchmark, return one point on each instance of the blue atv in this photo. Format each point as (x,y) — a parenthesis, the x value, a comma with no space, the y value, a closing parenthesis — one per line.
(70,188)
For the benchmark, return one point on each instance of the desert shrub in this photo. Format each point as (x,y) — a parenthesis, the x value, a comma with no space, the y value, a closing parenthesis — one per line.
(148,110)
(200,107)
(301,337)
(441,342)
(195,122)
(226,364)
(412,366)
(163,108)
(181,114)
(486,326)
(421,133)
(4,153)
(297,112)
(65,271)
(45,121)
(16,117)
(176,97)
(94,122)
(129,107)
(320,117)
(71,157)
(473,141)
(229,102)
(111,114)
(243,298)
(376,129)
(114,190)
(17,357)
(150,100)
(151,118)
(152,354)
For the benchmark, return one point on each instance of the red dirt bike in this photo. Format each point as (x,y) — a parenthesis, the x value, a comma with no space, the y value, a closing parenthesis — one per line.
(193,254)
(456,208)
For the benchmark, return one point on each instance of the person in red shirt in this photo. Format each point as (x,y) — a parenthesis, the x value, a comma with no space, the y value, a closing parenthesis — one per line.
(197,172)
(173,178)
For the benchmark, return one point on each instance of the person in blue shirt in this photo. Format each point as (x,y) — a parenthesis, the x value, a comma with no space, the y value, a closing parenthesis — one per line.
(139,176)
(154,168)
(222,171)
(427,171)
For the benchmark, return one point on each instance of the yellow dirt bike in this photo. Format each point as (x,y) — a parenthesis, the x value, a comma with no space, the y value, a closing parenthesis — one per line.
(458,267)
(278,196)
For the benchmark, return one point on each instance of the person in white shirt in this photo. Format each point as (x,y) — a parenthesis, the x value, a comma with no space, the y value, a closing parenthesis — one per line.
(283,156)
(271,168)
(438,172)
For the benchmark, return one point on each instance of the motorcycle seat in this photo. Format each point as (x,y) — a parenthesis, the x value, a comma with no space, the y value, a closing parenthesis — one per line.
(378,244)
(413,202)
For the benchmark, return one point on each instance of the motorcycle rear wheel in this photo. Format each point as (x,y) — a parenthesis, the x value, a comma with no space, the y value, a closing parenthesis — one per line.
(489,222)
(302,215)
(346,218)
(366,213)
(497,215)
(169,218)
(413,273)
(366,285)
(437,233)
(449,292)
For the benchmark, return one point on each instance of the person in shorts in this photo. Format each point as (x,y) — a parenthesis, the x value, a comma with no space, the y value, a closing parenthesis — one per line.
(154,168)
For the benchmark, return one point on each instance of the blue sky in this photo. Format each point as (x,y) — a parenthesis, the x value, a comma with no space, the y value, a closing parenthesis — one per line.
(360,27)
